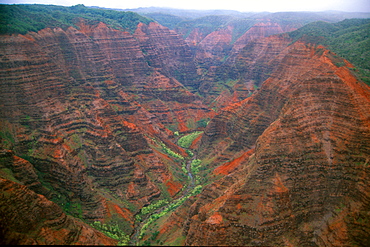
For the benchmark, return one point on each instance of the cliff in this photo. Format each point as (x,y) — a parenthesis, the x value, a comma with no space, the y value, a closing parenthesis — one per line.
(224,79)
(171,56)
(306,183)
(28,218)
(89,109)
(295,155)
(258,31)
(92,119)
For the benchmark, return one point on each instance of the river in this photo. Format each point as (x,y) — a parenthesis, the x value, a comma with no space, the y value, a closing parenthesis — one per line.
(139,225)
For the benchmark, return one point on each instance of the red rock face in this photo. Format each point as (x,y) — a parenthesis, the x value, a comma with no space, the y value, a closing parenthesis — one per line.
(28,218)
(83,113)
(308,170)
(258,31)
(306,182)
(215,45)
(170,55)
(219,61)
(195,37)
(84,106)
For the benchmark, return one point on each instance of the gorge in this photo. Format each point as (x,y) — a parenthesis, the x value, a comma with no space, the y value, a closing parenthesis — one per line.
(244,132)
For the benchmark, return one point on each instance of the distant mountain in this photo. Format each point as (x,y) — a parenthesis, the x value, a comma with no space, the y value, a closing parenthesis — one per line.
(343,41)
(191,14)
(300,17)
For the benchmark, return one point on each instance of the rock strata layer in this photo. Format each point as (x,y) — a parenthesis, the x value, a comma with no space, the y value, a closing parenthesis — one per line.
(295,154)
(89,117)
(85,111)
(28,218)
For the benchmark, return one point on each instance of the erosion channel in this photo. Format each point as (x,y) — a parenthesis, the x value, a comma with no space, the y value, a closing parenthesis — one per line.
(163,207)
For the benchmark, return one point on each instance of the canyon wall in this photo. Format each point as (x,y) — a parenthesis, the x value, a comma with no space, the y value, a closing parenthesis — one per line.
(28,218)
(292,159)
(90,116)
(90,110)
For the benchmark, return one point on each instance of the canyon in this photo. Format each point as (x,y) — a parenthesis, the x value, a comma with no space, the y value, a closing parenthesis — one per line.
(157,137)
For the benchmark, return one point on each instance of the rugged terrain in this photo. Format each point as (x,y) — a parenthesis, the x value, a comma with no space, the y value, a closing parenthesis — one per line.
(307,180)
(203,137)
(90,114)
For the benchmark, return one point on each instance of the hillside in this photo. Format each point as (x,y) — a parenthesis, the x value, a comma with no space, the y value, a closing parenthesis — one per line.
(25,18)
(215,130)
(339,31)
(93,110)
(348,38)
(290,163)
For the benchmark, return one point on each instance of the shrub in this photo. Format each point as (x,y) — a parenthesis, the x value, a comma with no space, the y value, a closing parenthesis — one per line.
(187,140)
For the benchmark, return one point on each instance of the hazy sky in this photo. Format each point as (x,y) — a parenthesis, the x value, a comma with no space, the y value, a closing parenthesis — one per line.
(240,5)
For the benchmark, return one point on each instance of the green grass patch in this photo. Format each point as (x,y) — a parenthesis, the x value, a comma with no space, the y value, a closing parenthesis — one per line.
(187,140)
(154,206)
(169,208)
(195,165)
(202,123)
(171,153)
(8,174)
(112,231)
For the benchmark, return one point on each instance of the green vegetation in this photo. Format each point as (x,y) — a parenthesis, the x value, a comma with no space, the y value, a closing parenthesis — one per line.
(195,165)
(112,231)
(187,140)
(7,173)
(349,39)
(6,138)
(154,218)
(206,24)
(190,153)
(340,208)
(166,20)
(73,208)
(24,18)
(171,153)
(169,208)
(75,141)
(202,123)
(154,206)
(183,167)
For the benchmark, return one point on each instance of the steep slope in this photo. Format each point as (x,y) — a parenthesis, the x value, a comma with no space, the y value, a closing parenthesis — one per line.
(307,183)
(348,38)
(91,112)
(237,79)
(297,154)
(94,122)
(171,56)
(28,218)
(258,31)
(216,55)
(214,46)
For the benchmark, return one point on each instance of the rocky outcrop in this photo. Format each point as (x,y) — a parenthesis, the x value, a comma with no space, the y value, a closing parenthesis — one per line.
(227,78)
(170,55)
(15,168)
(28,219)
(215,46)
(195,37)
(295,156)
(310,167)
(88,108)
(259,31)
(87,113)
